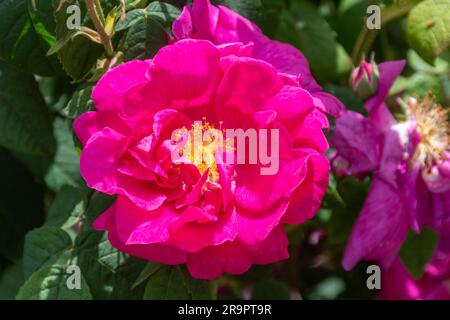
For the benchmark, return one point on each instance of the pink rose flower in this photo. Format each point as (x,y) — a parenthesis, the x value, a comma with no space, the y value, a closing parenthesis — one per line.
(214,216)
(398,284)
(221,25)
(410,163)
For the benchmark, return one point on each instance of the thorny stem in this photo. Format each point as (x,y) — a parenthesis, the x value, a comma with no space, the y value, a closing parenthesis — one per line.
(100,27)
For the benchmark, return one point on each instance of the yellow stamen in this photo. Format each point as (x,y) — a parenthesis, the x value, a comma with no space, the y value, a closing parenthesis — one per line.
(433,128)
(201,145)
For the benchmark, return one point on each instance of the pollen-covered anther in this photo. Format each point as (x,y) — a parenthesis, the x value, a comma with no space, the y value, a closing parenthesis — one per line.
(433,128)
(201,145)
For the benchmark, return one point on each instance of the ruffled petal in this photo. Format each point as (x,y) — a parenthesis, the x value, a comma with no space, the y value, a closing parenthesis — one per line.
(357,140)
(380,228)
(111,89)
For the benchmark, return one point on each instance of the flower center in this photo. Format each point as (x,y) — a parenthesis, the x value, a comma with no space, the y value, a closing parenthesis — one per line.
(200,147)
(433,128)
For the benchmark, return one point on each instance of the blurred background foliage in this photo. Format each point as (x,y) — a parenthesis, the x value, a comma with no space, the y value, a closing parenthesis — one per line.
(46,209)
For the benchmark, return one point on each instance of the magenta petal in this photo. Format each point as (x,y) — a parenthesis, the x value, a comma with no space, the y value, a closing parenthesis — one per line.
(274,248)
(247,84)
(233,27)
(183,27)
(137,226)
(110,91)
(389,71)
(201,235)
(98,162)
(166,121)
(211,262)
(308,196)
(85,126)
(291,105)
(255,227)
(197,191)
(143,194)
(398,284)
(206,18)
(193,63)
(251,193)
(102,222)
(310,133)
(393,151)
(357,141)
(158,253)
(235,258)
(380,228)
(328,103)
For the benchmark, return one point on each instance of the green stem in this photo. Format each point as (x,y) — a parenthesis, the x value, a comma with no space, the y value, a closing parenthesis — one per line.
(100,12)
(367,37)
(100,27)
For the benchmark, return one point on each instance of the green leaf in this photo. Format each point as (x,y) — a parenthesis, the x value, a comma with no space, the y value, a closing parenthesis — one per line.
(418,84)
(109,256)
(135,4)
(22,207)
(88,33)
(348,21)
(67,208)
(346,209)
(144,38)
(327,289)
(199,289)
(346,96)
(25,124)
(441,66)
(167,284)
(271,290)
(79,55)
(175,283)
(305,28)
(150,269)
(98,204)
(162,12)
(428,28)
(333,191)
(50,283)
(131,18)
(109,273)
(41,245)
(417,250)
(80,103)
(264,13)
(43,23)
(11,279)
(65,167)
(24,42)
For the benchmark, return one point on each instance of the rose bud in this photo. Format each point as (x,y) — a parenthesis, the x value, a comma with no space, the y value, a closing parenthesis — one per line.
(364,79)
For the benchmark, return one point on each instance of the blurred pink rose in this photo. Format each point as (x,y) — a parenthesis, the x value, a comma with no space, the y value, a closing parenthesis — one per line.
(434,284)
(410,163)
(213,216)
